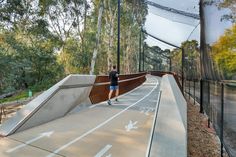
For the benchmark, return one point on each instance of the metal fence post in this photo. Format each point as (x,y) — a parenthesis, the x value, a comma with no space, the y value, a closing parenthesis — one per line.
(182,69)
(194,92)
(201,96)
(209,104)
(189,89)
(144,46)
(222,119)
(140,42)
(118,38)
(1,113)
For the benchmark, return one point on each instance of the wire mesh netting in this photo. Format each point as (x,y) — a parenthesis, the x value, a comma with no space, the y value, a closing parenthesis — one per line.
(230,118)
(219,65)
(173,21)
(213,62)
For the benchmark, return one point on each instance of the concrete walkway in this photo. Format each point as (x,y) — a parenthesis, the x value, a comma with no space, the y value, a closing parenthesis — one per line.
(122,129)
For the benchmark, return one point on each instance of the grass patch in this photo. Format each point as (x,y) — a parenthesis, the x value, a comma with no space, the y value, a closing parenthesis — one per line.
(21,95)
(24,93)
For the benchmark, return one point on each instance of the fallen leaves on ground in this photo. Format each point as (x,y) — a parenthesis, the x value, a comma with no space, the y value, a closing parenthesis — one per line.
(202,141)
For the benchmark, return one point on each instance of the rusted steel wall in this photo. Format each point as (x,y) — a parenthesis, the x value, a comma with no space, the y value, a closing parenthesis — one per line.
(161,73)
(100,89)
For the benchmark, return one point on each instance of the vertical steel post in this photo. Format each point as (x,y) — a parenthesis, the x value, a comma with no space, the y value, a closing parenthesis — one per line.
(1,114)
(194,86)
(143,55)
(182,70)
(140,49)
(209,103)
(201,96)
(222,120)
(189,89)
(202,43)
(209,92)
(118,38)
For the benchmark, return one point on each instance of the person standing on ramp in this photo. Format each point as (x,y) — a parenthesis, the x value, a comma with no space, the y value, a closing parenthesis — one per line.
(113,77)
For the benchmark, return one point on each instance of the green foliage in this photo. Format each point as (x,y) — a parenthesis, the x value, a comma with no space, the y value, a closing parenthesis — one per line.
(40,44)
(224,53)
(156,58)
(191,61)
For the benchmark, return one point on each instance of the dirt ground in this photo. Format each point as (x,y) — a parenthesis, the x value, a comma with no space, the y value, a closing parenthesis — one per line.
(202,141)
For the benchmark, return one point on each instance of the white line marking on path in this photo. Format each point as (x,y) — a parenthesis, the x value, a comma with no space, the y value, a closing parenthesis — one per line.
(93,106)
(150,83)
(100,125)
(131,126)
(153,123)
(48,134)
(103,151)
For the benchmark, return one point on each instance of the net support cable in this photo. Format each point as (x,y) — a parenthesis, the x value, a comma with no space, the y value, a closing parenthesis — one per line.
(187,14)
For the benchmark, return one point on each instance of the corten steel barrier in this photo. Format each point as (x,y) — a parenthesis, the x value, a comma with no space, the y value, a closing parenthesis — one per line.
(100,88)
(161,73)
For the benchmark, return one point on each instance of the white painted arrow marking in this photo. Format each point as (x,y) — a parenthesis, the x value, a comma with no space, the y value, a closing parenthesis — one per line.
(103,151)
(131,125)
(48,134)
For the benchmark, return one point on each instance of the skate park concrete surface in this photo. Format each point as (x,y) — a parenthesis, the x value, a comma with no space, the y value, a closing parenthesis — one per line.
(123,129)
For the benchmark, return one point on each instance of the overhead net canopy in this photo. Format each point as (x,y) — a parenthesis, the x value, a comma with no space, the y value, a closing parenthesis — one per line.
(173,21)
(177,22)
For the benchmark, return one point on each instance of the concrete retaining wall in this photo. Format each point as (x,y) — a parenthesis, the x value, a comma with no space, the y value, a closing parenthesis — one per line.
(52,104)
(170,136)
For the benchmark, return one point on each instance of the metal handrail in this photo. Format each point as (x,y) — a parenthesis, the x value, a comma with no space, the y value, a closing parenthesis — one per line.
(225,82)
(96,84)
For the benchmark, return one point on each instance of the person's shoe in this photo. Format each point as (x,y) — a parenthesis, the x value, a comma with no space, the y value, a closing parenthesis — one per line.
(109,102)
(116,100)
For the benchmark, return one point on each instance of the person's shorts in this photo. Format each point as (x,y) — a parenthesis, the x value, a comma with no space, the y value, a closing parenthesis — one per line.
(113,87)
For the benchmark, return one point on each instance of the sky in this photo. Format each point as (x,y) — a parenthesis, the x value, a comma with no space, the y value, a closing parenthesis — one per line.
(215,26)
(170,27)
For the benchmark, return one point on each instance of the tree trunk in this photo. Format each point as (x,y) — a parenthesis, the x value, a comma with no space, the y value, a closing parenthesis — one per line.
(99,26)
(128,52)
(111,36)
(84,29)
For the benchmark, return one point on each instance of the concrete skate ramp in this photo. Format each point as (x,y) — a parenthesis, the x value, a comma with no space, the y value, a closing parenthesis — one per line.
(52,104)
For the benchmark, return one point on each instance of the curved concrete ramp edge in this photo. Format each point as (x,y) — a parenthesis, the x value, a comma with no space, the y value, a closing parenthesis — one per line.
(52,104)
(170,135)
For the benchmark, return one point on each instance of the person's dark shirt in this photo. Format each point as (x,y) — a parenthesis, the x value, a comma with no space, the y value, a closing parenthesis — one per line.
(113,76)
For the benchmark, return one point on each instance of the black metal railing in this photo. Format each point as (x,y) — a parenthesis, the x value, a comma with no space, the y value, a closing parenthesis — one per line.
(217,100)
